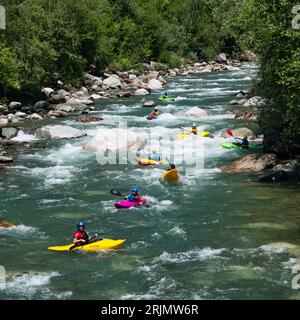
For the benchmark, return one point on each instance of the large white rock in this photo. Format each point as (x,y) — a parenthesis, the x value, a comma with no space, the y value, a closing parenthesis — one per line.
(141,92)
(74,102)
(115,140)
(196,112)
(20,114)
(112,82)
(58,132)
(154,84)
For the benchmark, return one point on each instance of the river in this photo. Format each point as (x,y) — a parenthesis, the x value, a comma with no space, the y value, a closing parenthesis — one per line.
(205,238)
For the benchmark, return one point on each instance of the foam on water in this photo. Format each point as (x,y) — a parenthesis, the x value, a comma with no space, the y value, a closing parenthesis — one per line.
(22,231)
(191,255)
(27,285)
(24,137)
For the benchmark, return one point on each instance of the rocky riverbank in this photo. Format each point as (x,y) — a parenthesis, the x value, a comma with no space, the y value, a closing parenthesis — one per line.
(63,100)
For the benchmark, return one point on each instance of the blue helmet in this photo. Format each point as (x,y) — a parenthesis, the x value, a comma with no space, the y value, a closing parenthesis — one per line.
(80,224)
(134,189)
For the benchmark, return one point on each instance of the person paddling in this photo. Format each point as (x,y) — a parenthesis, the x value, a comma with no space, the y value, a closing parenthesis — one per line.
(154,156)
(80,236)
(154,114)
(172,167)
(194,129)
(165,95)
(243,144)
(134,196)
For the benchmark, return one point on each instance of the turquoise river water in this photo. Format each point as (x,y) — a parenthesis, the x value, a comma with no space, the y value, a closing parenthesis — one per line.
(205,238)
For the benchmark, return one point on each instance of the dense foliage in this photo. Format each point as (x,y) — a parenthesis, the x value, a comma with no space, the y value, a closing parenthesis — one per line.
(65,38)
(50,39)
(268,30)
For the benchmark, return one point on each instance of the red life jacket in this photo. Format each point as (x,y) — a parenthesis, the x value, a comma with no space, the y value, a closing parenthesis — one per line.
(80,235)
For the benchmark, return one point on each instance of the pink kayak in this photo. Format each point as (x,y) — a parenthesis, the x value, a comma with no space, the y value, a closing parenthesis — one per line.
(124,204)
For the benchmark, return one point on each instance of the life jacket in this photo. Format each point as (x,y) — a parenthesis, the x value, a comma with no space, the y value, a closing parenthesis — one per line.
(80,235)
(134,198)
(156,113)
(194,130)
(245,144)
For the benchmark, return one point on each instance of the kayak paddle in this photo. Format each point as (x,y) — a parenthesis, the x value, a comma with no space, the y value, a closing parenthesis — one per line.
(118,193)
(185,130)
(91,238)
(229,132)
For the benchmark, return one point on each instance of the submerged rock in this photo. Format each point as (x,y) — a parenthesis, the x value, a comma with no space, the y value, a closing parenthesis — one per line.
(6,224)
(251,163)
(280,176)
(89,119)
(196,112)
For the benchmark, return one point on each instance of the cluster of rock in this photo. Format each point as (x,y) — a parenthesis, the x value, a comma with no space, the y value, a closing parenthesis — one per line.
(246,109)
(68,100)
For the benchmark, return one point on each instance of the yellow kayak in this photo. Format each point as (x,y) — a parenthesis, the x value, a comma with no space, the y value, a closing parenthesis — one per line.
(105,244)
(170,175)
(148,162)
(185,135)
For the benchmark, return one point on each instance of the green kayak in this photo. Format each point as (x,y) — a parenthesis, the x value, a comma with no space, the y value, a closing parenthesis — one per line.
(230,145)
(169,99)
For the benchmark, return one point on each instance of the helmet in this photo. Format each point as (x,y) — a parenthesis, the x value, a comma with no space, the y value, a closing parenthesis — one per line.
(80,224)
(134,189)
(194,125)
(173,166)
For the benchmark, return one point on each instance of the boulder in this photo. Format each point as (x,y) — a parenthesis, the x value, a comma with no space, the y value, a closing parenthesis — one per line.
(240,133)
(3,109)
(154,84)
(94,80)
(43,105)
(149,104)
(15,105)
(47,91)
(254,101)
(3,122)
(242,102)
(95,97)
(20,114)
(208,68)
(64,107)
(58,132)
(115,140)
(12,118)
(141,92)
(89,119)
(247,56)
(196,112)
(35,116)
(57,99)
(112,82)
(6,224)
(221,58)
(4,159)
(74,102)
(251,163)
(56,113)
(9,133)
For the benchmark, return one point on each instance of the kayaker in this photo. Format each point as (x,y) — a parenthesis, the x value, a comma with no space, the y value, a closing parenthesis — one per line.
(244,142)
(194,129)
(172,167)
(154,113)
(165,95)
(154,156)
(134,196)
(80,235)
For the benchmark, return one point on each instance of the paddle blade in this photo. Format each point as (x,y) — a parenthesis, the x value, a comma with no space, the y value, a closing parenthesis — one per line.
(229,132)
(116,193)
